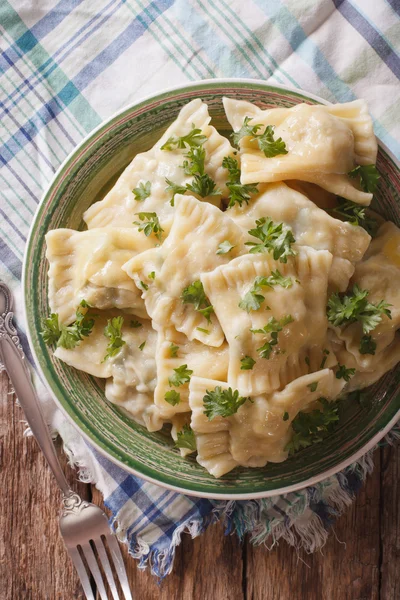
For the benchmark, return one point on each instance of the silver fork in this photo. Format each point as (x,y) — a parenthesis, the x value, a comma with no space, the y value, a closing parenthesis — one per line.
(81,522)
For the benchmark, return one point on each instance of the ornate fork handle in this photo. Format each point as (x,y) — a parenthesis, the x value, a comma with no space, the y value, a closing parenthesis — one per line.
(14,361)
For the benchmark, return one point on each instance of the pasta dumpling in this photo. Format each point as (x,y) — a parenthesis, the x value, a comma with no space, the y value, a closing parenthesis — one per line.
(379,273)
(174,353)
(300,306)
(120,206)
(311,226)
(190,250)
(323,144)
(86,265)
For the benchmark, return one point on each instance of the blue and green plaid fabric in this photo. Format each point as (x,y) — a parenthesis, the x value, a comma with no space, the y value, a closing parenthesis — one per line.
(67,65)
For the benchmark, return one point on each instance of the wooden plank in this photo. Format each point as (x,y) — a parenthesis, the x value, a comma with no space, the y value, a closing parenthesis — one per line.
(345,570)
(390,523)
(206,568)
(33,562)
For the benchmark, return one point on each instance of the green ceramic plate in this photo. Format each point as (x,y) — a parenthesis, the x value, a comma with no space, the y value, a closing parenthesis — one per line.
(84,178)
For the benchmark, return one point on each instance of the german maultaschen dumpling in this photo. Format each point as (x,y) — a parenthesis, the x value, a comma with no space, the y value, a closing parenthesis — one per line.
(217,299)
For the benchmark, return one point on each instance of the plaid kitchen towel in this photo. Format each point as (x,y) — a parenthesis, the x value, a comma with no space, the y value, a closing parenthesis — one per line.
(67,65)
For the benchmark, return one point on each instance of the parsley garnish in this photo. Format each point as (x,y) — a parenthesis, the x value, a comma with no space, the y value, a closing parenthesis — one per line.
(182,375)
(175,188)
(367,345)
(194,294)
(238,192)
(172,397)
(369,177)
(344,373)
(144,286)
(203,186)
(67,336)
(275,238)
(186,438)
(344,309)
(152,275)
(268,145)
(312,427)
(203,330)
(326,352)
(195,164)
(247,363)
(143,191)
(253,299)
(245,131)
(150,224)
(222,403)
(192,139)
(356,215)
(135,324)
(285,416)
(113,330)
(50,329)
(273,327)
(225,247)
(142,345)
(313,386)
(173,350)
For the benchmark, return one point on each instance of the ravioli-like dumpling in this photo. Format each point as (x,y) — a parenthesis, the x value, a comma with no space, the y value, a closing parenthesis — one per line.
(119,207)
(303,305)
(86,265)
(189,250)
(256,433)
(371,367)
(212,437)
(311,226)
(379,273)
(323,143)
(131,364)
(131,374)
(175,350)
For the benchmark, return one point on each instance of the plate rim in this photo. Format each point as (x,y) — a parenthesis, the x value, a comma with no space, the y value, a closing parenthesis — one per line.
(217,82)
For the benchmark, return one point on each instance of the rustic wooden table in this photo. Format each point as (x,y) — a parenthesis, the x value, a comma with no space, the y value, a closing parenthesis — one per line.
(360,561)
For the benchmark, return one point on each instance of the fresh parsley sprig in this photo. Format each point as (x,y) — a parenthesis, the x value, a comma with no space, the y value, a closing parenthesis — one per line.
(222,403)
(344,373)
(172,397)
(238,192)
(273,327)
(194,294)
(142,191)
(181,375)
(245,131)
(274,237)
(247,363)
(367,345)
(175,188)
(68,336)
(355,214)
(192,139)
(113,330)
(268,144)
(186,438)
(203,186)
(225,247)
(312,427)
(253,299)
(265,141)
(368,175)
(344,309)
(149,224)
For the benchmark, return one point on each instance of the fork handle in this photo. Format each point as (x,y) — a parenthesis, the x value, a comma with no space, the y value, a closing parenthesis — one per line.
(14,361)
